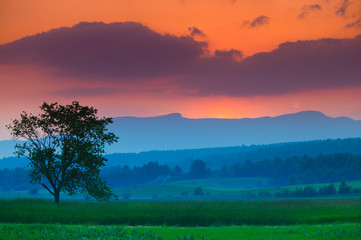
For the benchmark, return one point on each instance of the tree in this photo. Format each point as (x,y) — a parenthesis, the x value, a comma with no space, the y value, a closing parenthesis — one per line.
(344,189)
(198,169)
(198,191)
(65,145)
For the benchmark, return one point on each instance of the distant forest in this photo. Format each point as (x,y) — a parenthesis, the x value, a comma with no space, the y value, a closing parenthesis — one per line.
(216,158)
(324,168)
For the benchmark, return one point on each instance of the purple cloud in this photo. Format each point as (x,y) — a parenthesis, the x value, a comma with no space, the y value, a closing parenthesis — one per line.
(117,50)
(232,54)
(292,67)
(86,92)
(309,8)
(133,53)
(196,32)
(258,21)
(355,24)
(341,11)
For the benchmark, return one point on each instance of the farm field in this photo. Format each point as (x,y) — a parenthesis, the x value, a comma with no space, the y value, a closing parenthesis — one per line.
(182,213)
(343,231)
(223,188)
(164,217)
(213,188)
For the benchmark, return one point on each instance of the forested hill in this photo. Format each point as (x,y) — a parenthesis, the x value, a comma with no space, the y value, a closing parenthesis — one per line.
(218,157)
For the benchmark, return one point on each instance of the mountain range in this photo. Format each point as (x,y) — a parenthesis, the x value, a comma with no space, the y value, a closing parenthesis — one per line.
(172,131)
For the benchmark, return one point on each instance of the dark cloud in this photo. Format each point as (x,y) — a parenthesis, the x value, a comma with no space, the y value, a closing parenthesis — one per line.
(341,10)
(258,21)
(133,53)
(292,67)
(309,8)
(232,54)
(86,92)
(355,24)
(117,50)
(196,32)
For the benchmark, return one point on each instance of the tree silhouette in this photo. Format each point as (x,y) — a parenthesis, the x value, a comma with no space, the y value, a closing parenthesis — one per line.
(65,146)
(198,169)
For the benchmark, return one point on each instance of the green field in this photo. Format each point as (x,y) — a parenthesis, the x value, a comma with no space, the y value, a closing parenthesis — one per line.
(218,188)
(213,188)
(345,231)
(168,213)
(182,213)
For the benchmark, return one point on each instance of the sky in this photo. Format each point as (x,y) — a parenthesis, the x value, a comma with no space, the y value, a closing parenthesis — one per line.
(201,58)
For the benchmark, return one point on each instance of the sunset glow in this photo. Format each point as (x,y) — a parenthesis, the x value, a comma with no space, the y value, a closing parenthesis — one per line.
(199,58)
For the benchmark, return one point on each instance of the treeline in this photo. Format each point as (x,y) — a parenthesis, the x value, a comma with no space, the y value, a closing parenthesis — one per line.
(280,172)
(311,191)
(217,157)
(300,170)
(15,179)
(150,173)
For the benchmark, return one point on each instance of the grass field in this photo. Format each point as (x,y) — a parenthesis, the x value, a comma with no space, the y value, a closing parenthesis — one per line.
(214,188)
(345,231)
(182,213)
(165,216)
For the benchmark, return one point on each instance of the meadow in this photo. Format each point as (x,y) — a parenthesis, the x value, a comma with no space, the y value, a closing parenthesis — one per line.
(171,216)
(344,231)
(182,213)
(213,188)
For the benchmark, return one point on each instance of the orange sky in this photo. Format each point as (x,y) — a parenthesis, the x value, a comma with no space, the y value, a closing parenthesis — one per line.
(221,20)
(224,23)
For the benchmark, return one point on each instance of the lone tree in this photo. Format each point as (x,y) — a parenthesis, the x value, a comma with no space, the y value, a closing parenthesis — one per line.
(65,146)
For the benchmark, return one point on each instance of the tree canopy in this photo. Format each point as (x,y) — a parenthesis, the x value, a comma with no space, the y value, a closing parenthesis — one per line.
(65,146)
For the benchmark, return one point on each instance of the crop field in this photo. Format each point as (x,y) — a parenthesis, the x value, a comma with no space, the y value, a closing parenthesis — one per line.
(165,218)
(213,188)
(182,213)
(344,231)
(176,220)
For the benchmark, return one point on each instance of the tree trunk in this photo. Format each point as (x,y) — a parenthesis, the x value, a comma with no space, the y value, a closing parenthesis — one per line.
(57,196)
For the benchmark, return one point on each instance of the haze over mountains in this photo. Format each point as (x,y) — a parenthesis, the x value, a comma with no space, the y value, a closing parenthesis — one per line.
(172,132)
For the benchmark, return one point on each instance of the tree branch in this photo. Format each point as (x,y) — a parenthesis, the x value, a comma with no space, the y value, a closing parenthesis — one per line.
(46,187)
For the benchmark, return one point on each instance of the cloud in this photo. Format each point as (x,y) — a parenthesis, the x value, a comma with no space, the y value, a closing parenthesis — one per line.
(355,24)
(309,8)
(232,54)
(135,55)
(196,32)
(258,21)
(118,50)
(341,10)
(86,92)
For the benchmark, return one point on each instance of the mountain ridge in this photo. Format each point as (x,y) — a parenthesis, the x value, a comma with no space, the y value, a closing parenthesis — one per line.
(173,131)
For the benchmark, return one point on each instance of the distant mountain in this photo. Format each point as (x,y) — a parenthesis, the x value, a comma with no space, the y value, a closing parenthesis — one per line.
(172,132)
(7,148)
